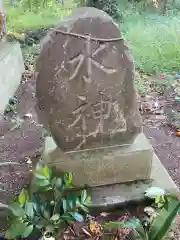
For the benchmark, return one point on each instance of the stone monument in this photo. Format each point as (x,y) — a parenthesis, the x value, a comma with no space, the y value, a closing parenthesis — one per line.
(86,99)
(11,63)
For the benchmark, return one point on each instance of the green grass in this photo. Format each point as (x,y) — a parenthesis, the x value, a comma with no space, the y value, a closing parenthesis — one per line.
(153,39)
(19,19)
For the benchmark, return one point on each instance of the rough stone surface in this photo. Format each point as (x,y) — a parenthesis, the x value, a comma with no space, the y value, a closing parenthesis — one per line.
(85,87)
(11,70)
(111,196)
(104,166)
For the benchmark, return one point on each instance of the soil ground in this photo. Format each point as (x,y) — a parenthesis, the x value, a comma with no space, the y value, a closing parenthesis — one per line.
(22,142)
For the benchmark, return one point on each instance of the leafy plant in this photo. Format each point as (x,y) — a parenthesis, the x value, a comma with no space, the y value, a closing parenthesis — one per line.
(167,207)
(11,107)
(48,207)
(158,195)
(158,223)
(111,7)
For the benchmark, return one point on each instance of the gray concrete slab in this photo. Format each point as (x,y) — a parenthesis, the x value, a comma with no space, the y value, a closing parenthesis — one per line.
(107,197)
(11,70)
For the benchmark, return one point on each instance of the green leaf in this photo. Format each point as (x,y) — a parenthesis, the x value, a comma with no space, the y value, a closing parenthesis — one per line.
(83,196)
(39,166)
(13,100)
(68,177)
(64,205)
(163,221)
(153,192)
(88,201)
(58,194)
(42,222)
(77,216)
(67,217)
(133,223)
(42,182)
(177,98)
(37,203)
(39,175)
(53,181)
(84,208)
(27,231)
(77,202)
(46,172)
(42,172)
(16,209)
(166,202)
(45,211)
(55,217)
(29,209)
(15,230)
(141,231)
(23,197)
(114,224)
(70,204)
(46,189)
(58,183)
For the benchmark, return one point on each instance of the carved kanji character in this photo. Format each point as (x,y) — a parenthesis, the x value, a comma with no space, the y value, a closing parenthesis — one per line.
(80,59)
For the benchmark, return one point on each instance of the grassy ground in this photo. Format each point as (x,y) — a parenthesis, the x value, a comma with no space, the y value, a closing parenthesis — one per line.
(19,20)
(154,39)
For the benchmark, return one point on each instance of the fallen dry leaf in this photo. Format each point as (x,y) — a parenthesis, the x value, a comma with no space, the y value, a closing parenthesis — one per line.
(95,227)
(178,134)
(86,232)
(71,230)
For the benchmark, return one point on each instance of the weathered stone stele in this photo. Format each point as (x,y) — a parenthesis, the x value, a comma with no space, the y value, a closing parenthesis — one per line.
(87,100)
(85,83)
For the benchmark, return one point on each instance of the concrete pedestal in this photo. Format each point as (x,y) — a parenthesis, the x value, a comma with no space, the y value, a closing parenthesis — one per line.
(11,70)
(116,175)
(110,196)
(103,166)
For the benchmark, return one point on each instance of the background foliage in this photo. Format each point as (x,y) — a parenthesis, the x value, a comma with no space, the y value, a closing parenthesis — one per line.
(109,6)
(153,37)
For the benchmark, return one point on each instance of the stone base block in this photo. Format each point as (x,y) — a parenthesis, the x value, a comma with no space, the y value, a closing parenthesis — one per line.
(103,166)
(11,69)
(108,197)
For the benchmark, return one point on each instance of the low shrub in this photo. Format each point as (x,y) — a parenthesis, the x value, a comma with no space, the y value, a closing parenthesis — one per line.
(47,207)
